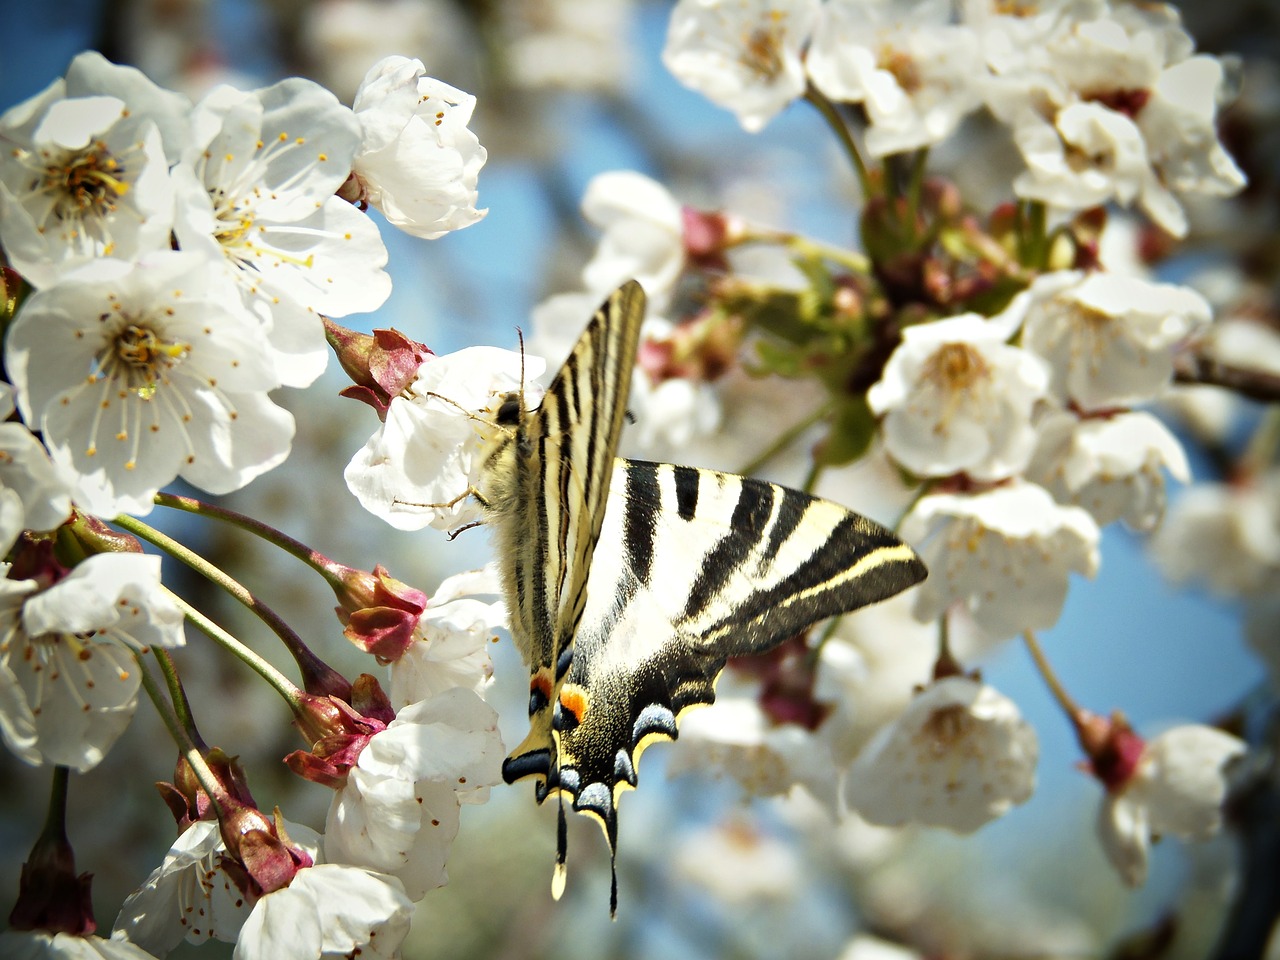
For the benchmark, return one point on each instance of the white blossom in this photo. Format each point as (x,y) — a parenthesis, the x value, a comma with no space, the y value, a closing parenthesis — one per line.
(869,669)
(1109,104)
(1111,466)
(738,863)
(327,910)
(84,172)
(570,44)
(643,235)
(140,373)
(418,162)
(1227,535)
(865,946)
(68,678)
(735,737)
(1109,340)
(956,398)
(1242,342)
(190,895)
(330,911)
(674,414)
(398,811)
(959,756)
(743,55)
(27,474)
(452,640)
(419,467)
(256,194)
(1177,787)
(915,72)
(41,945)
(1003,555)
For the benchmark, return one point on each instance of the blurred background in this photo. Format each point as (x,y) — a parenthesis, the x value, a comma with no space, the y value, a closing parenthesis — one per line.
(568,89)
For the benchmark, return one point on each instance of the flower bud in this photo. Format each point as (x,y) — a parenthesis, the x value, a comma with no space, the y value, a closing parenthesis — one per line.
(379,613)
(381,365)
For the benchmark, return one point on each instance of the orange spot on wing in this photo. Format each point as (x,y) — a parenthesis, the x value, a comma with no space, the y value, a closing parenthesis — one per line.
(574,699)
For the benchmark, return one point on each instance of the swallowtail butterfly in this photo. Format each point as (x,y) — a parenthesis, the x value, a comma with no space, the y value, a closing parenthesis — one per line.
(630,583)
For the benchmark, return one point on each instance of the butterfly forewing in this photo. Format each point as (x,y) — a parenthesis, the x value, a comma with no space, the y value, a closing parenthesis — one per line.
(552,477)
(708,566)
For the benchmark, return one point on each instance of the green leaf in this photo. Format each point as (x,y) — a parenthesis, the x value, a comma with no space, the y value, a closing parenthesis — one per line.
(852,428)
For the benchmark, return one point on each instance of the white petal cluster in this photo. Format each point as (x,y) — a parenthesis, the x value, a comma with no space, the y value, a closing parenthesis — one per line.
(34,493)
(138,373)
(959,756)
(1111,466)
(569,44)
(956,398)
(1109,103)
(190,895)
(418,162)
(1226,535)
(84,169)
(1177,788)
(419,468)
(1108,339)
(255,195)
(398,811)
(743,55)
(40,945)
(1003,556)
(905,61)
(734,735)
(327,910)
(139,365)
(68,678)
(452,640)
(642,235)
(739,864)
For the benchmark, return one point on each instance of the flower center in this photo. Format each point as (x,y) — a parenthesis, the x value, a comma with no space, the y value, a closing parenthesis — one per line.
(902,66)
(85,183)
(762,51)
(141,358)
(946,728)
(956,367)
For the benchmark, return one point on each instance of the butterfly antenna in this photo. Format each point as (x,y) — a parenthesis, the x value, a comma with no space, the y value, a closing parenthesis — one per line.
(520,337)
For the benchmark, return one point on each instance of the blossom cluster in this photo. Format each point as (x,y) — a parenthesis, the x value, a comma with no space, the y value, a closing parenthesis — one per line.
(1013,398)
(1105,102)
(174,264)
(986,380)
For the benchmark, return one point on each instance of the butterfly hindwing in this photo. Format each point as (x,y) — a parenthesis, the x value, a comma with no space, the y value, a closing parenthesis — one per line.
(709,566)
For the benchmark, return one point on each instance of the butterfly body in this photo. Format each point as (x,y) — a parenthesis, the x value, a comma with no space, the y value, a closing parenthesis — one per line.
(631,583)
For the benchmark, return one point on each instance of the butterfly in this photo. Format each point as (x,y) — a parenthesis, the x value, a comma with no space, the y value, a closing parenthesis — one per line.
(631,583)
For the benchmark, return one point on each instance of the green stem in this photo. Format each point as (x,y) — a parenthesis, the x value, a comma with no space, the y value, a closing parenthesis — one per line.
(1261,450)
(1065,700)
(288,544)
(282,684)
(841,130)
(811,478)
(827,633)
(1032,239)
(186,746)
(915,188)
(307,661)
(788,437)
(55,820)
(177,695)
(920,493)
